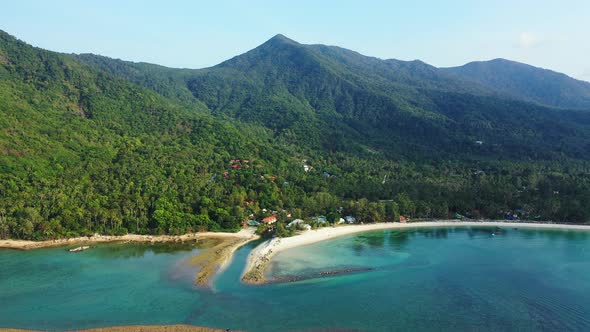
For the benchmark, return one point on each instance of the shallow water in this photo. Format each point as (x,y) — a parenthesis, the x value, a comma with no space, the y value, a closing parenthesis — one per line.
(426,279)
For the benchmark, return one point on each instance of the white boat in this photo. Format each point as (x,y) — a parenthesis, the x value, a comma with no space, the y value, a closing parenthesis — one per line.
(77,249)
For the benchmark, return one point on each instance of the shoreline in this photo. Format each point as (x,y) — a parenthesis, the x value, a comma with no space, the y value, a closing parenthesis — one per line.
(211,261)
(214,260)
(137,328)
(96,238)
(260,257)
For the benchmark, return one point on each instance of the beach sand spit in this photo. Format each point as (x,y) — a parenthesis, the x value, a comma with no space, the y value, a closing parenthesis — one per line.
(142,328)
(246,233)
(216,258)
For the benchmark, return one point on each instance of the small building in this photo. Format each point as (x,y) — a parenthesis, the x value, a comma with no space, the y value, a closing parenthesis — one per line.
(350,219)
(295,223)
(511,216)
(479,142)
(340,221)
(403,219)
(320,219)
(270,220)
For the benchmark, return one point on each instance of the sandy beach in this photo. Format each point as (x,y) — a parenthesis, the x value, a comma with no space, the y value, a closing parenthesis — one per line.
(141,328)
(246,233)
(215,256)
(260,257)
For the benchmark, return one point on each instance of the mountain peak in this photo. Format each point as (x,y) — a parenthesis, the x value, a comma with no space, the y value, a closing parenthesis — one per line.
(282,39)
(279,48)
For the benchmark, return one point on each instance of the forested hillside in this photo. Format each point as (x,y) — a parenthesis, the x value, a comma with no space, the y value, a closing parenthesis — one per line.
(526,82)
(334,99)
(91,144)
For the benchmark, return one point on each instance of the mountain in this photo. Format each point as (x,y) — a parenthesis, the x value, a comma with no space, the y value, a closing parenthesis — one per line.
(339,100)
(526,82)
(82,151)
(92,144)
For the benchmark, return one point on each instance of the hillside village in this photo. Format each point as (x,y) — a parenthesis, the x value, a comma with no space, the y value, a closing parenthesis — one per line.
(270,221)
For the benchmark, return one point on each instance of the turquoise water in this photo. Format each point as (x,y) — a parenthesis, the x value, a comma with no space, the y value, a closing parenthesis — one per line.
(453,279)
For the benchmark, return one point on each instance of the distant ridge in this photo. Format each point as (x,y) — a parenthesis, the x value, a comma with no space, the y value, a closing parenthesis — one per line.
(530,83)
(317,92)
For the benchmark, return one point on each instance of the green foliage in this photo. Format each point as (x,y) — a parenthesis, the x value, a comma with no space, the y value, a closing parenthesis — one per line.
(335,100)
(94,145)
(527,82)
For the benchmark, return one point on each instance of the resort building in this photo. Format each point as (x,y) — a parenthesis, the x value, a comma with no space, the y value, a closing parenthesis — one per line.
(295,223)
(270,220)
(320,219)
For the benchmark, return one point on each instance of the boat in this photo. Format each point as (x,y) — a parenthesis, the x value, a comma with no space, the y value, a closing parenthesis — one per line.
(77,249)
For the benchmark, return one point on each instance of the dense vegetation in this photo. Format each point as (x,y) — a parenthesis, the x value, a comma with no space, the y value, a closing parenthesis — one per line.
(527,82)
(90,144)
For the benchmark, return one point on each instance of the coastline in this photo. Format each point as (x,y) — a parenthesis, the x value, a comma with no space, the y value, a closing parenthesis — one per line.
(210,261)
(138,328)
(261,256)
(29,245)
(217,258)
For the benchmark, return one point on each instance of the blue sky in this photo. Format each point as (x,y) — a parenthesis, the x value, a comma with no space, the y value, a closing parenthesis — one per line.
(195,34)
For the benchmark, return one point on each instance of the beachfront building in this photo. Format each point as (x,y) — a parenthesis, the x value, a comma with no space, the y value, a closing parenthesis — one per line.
(270,220)
(294,223)
(320,219)
(403,219)
(350,219)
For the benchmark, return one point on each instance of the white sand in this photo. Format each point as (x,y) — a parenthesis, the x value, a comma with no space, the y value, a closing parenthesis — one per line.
(247,233)
(262,254)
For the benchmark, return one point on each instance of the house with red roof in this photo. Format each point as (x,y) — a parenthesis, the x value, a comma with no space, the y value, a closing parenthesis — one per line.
(270,220)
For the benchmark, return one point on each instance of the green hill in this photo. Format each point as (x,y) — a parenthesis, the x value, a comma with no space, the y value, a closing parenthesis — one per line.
(338,100)
(91,144)
(526,82)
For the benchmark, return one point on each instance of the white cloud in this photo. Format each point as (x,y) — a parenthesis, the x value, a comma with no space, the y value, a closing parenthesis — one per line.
(529,40)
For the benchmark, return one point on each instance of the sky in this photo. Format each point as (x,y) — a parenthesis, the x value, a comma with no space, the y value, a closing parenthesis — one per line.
(196,34)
